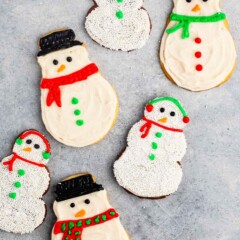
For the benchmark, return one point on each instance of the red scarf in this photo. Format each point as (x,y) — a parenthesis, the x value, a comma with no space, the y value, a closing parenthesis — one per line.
(54,84)
(147,126)
(72,229)
(17,157)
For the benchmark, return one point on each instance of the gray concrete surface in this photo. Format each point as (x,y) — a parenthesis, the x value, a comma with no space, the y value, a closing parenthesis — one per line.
(207,205)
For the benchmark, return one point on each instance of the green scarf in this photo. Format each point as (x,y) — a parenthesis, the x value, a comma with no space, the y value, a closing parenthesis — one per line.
(184,22)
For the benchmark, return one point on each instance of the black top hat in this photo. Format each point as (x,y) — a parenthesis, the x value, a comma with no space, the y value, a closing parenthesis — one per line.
(76,187)
(56,41)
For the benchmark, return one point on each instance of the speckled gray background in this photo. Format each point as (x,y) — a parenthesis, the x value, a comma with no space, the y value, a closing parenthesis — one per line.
(207,205)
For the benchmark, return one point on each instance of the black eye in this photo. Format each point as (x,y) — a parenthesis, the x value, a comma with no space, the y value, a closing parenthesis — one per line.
(55,62)
(72,205)
(162,110)
(172,114)
(87,201)
(36,146)
(29,141)
(205,0)
(188,1)
(69,59)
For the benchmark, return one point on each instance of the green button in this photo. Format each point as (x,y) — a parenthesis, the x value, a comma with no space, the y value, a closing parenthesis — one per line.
(154,145)
(75,101)
(12,195)
(17,184)
(152,157)
(21,172)
(158,134)
(77,112)
(119,1)
(19,141)
(119,14)
(80,122)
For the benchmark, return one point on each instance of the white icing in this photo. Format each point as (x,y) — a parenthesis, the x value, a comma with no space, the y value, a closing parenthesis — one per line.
(134,170)
(126,34)
(217,47)
(109,230)
(27,211)
(97,101)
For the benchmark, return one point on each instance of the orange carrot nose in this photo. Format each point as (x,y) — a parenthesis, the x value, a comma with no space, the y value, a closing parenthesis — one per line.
(27,149)
(162,120)
(81,213)
(61,68)
(196,8)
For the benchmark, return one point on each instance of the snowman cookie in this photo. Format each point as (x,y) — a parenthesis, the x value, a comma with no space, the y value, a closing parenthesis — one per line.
(83,211)
(197,50)
(24,180)
(150,165)
(119,24)
(79,106)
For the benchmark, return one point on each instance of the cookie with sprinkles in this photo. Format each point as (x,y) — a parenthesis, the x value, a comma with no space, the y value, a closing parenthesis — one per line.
(79,106)
(197,50)
(24,180)
(150,165)
(83,211)
(119,24)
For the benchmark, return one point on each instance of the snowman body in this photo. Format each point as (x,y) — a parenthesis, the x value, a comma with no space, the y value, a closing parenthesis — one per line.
(119,25)
(84,208)
(24,180)
(143,177)
(89,107)
(207,57)
(150,165)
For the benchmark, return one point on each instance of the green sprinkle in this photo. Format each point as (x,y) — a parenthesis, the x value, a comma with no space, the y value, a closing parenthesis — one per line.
(152,157)
(69,232)
(19,141)
(78,239)
(79,122)
(66,238)
(21,172)
(97,220)
(77,233)
(119,14)
(104,217)
(158,134)
(71,225)
(63,227)
(88,222)
(79,224)
(112,213)
(77,112)
(46,155)
(17,184)
(75,101)
(154,145)
(12,195)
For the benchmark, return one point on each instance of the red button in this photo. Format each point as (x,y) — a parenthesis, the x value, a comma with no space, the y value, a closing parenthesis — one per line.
(198,54)
(198,40)
(199,67)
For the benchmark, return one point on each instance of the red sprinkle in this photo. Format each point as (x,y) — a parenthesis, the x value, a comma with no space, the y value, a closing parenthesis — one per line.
(198,54)
(199,67)
(198,40)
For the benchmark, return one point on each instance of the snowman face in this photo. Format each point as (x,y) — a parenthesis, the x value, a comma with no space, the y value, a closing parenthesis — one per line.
(63,62)
(167,114)
(31,148)
(82,207)
(196,7)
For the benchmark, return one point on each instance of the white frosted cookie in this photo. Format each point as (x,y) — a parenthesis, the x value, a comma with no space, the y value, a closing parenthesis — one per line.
(79,106)
(150,165)
(119,24)
(24,180)
(84,212)
(197,50)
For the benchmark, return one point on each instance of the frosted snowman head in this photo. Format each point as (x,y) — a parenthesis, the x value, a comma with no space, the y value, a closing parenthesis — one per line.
(79,198)
(167,111)
(33,146)
(196,7)
(61,54)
